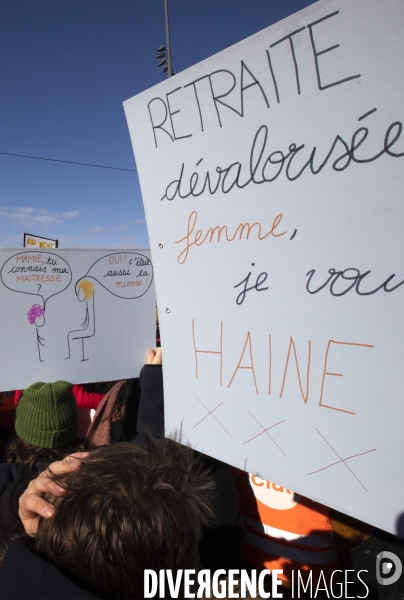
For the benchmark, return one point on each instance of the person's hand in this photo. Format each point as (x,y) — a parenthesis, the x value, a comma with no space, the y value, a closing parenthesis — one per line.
(154,357)
(33,505)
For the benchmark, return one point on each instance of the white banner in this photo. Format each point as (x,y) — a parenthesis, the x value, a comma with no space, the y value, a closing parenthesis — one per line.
(36,241)
(78,315)
(272,176)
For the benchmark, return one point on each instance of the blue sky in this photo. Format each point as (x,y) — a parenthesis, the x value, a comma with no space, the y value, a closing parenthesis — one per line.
(66,66)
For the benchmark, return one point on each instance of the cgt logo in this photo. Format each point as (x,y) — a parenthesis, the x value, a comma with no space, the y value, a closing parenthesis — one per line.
(272,495)
(388,568)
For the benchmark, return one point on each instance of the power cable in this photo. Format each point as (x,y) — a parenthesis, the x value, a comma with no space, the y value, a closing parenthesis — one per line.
(69,162)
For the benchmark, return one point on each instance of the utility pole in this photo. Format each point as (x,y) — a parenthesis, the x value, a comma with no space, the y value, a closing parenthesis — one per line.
(162,50)
(169,64)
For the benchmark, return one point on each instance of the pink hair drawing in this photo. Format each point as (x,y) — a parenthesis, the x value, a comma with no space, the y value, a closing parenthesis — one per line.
(34,312)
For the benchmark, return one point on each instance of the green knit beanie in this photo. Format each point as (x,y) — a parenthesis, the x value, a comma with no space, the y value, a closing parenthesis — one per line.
(46,414)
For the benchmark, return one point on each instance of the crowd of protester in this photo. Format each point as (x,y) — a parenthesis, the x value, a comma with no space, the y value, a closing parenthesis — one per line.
(83,515)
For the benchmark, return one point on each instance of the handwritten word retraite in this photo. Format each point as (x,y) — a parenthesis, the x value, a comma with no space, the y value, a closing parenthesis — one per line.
(166,127)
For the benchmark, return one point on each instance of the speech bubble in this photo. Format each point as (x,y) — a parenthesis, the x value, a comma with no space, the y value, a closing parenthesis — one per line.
(127,275)
(42,274)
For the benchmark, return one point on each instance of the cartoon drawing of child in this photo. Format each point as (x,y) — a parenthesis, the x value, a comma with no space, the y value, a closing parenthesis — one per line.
(84,292)
(36,315)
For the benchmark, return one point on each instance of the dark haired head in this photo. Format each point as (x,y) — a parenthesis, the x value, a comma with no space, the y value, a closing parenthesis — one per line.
(20,452)
(127,509)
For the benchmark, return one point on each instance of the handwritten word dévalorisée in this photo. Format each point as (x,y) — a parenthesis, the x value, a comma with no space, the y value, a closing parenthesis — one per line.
(266,167)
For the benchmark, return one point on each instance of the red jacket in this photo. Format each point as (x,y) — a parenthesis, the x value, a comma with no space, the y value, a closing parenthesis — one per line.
(83,399)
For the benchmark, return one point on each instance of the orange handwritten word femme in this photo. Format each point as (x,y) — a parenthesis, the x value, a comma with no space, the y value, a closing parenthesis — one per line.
(219,233)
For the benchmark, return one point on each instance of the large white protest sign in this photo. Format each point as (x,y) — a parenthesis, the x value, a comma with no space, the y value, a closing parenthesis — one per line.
(272,176)
(78,315)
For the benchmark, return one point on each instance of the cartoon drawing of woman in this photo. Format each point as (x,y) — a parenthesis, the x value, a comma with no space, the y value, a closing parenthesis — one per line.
(84,292)
(36,314)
